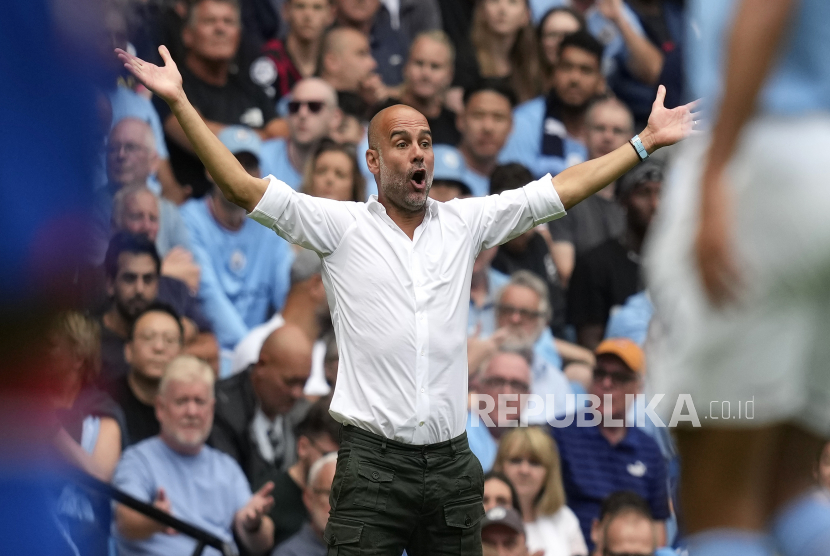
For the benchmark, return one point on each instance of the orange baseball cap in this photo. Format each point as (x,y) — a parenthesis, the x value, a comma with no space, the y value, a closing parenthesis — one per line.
(630,353)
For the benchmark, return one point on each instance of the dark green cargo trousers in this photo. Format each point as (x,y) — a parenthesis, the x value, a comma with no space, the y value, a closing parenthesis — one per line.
(389,496)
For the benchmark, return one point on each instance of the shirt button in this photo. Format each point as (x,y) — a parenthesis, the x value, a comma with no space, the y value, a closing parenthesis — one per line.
(375,475)
(422,353)
(422,390)
(421,424)
(467,521)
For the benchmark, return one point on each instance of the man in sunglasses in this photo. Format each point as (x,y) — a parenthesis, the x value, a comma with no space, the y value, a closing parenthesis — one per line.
(601,458)
(397,273)
(312,115)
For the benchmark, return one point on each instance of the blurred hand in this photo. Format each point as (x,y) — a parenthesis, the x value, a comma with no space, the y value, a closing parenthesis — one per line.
(713,242)
(373,90)
(611,9)
(165,81)
(667,127)
(257,507)
(179,264)
(163,503)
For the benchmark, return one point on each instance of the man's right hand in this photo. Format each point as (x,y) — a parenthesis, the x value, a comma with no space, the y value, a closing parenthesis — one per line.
(165,81)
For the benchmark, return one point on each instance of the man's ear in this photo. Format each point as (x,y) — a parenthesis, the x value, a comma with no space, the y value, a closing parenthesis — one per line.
(373,161)
(110,287)
(336,120)
(596,532)
(128,352)
(187,36)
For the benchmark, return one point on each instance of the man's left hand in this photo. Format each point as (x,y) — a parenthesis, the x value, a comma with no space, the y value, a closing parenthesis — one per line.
(667,127)
(257,507)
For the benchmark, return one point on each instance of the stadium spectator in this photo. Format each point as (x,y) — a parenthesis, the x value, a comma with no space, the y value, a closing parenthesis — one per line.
(312,115)
(131,159)
(317,435)
(332,172)
(506,373)
(90,427)
(499,491)
(137,210)
(180,475)
(822,468)
(306,306)
(353,126)
(610,456)
(485,125)
(449,177)
(607,275)
(257,409)
(389,46)
(505,46)
(346,63)
(503,534)
(529,458)
(284,62)
(600,217)
(211,36)
(308,541)
(624,526)
(552,28)
(133,283)
(577,79)
(155,340)
(427,77)
(244,267)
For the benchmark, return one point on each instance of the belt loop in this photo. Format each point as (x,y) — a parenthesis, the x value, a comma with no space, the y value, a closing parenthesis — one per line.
(383,446)
(453,448)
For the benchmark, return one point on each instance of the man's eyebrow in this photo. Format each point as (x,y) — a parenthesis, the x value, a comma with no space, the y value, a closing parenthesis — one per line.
(403,132)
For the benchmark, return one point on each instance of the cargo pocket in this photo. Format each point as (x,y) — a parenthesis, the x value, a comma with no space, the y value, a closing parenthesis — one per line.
(374,486)
(464,516)
(342,536)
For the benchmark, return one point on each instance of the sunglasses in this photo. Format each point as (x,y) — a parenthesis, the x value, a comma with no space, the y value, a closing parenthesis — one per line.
(617,378)
(314,106)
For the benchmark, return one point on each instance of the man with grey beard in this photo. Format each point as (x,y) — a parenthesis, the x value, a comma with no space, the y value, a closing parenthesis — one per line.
(397,273)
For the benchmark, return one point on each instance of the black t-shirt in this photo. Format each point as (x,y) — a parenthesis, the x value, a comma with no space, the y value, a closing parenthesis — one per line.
(290,513)
(589,223)
(140,417)
(239,101)
(603,278)
(536,258)
(113,364)
(456,18)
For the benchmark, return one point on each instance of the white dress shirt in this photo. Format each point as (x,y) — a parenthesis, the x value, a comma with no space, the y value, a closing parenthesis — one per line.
(399,306)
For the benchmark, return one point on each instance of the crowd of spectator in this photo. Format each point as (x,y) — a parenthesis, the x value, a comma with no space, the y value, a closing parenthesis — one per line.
(198,378)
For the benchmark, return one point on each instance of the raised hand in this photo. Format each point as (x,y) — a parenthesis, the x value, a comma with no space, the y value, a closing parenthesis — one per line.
(165,81)
(163,503)
(257,507)
(667,127)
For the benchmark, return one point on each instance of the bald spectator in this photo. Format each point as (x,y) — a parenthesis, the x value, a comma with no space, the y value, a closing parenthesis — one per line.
(427,77)
(133,283)
(211,36)
(599,217)
(484,124)
(245,268)
(154,340)
(346,63)
(317,434)
(284,62)
(257,409)
(506,375)
(131,159)
(180,475)
(624,526)
(309,540)
(312,115)
(388,45)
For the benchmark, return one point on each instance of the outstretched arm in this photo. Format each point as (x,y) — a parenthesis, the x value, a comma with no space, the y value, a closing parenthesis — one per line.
(665,127)
(236,184)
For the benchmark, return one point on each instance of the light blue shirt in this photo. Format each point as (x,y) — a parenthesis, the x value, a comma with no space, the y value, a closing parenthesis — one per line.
(244,273)
(631,320)
(482,444)
(524,145)
(478,184)
(205,490)
(799,80)
(273,160)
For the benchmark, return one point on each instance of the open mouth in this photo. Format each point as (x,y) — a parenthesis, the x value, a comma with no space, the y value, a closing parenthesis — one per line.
(419,178)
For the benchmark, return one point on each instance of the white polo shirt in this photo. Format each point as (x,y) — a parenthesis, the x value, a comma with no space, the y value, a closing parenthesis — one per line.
(399,306)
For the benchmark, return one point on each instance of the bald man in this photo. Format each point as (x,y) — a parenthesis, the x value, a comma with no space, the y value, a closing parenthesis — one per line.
(257,409)
(397,273)
(346,63)
(312,115)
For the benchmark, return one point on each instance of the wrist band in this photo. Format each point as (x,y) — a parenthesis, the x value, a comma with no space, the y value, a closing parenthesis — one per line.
(638,147)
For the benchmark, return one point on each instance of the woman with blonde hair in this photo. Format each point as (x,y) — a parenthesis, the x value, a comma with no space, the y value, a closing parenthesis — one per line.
(504,41)
(332,173)
(529,458)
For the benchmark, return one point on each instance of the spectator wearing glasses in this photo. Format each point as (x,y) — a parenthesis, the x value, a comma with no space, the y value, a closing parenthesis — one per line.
(529,458)
(312,115)
(507,372)
(317,435)
(602,459)
(309,539)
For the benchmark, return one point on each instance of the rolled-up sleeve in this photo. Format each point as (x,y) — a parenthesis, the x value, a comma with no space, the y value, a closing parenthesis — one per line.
(495,219)
(311,222)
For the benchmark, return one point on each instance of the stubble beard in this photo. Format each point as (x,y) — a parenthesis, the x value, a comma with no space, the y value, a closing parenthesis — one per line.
(396,189)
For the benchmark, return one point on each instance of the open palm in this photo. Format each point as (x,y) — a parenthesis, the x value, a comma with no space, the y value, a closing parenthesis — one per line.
(165,81)
(667,127)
